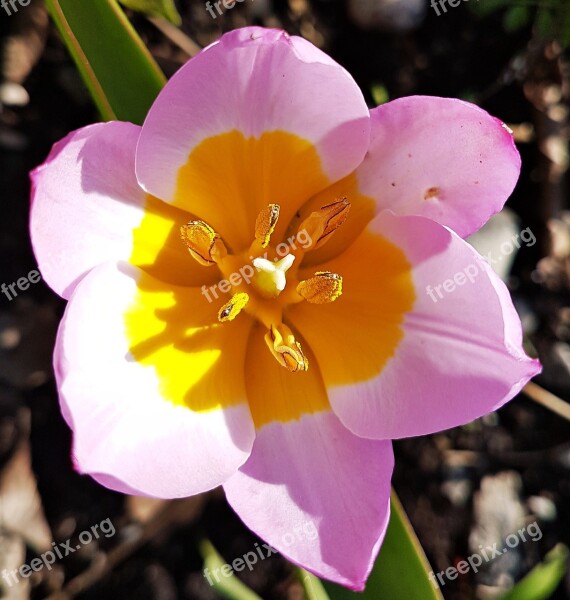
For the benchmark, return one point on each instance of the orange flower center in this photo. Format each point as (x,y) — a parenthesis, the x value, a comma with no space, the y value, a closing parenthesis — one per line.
(263,280)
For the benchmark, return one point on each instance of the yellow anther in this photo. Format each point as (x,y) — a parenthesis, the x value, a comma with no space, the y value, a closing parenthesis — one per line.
(282,344)
(203,243)
(265,224)
(321,288)
(230,310)
(321,223)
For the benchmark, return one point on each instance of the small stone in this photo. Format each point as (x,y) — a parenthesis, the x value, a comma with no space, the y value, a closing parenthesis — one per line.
(13,94)
(544,508)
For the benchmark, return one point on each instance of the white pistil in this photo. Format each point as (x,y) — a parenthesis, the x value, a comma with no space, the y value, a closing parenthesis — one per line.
(271,275)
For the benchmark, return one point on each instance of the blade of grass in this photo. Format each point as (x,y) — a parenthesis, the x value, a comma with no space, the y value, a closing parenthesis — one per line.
(176,36)
(117,68)
(314,589)
(547,399)
(543,579)
(229,587)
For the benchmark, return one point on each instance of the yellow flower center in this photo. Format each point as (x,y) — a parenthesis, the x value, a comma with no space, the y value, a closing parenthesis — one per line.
(263,280)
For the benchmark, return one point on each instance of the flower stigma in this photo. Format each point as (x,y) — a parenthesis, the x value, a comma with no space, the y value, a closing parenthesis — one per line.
(274,283)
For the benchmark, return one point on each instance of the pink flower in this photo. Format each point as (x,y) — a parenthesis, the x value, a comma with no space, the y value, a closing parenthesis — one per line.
(176,377)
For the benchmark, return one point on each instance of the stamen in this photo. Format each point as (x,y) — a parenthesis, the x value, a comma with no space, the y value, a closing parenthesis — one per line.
(203,243)
(321,288)
(230,310)
(282,344)
(265,224)
(267,277)
(321,223)
(270,279)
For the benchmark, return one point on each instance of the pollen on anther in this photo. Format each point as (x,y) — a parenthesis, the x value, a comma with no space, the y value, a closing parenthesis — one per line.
(265,224)
(231,309)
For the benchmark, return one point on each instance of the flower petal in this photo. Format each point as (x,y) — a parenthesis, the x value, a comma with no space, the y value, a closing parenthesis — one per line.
(308,476)
(88,208)
(256,118)
(424,362)
(442,158)
(438,157)
(318,494)
(154,394)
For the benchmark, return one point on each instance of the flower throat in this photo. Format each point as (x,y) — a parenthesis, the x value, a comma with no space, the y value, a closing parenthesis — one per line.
(263,281)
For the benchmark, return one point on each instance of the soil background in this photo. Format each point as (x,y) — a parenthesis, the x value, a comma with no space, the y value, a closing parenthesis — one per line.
(460,488)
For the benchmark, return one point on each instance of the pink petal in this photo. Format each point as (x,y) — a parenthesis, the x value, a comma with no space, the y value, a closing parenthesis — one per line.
(254,81)
(441,158)
(460,356)
(86,201)
(317,494)
(87,204)
(128,432)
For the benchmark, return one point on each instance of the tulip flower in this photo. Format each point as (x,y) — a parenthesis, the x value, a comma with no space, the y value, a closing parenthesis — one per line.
(287,386)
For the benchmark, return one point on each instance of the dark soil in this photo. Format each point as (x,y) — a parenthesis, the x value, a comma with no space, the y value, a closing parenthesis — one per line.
(437,477)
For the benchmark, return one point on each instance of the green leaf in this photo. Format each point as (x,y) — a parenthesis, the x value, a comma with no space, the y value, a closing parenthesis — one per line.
(230,586)
(516,18)
(313,586)
(541,582)
(155,8)
(117,68)
(401,571)
(379,94)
